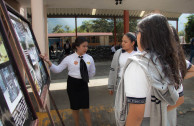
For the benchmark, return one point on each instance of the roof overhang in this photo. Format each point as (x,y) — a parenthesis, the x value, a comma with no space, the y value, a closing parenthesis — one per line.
(107,13)
(107,8)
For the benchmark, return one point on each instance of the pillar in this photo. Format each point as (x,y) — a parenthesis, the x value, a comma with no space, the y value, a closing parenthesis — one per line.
(38,23)
(126,21)
(177,25)
(39,26)
(76,27)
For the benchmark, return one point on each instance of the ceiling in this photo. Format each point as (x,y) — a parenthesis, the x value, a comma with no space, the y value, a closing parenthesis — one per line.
(180,6)
(169,8)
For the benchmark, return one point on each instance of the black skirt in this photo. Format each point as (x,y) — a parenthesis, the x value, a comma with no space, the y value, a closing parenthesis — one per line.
(78,93)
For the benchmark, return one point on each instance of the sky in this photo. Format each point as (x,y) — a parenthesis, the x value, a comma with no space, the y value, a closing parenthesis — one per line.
(182,20)
(52,22)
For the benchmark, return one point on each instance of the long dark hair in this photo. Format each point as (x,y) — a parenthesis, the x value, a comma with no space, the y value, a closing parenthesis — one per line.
(78,42)
(132,37)
(181,55)
(157,39)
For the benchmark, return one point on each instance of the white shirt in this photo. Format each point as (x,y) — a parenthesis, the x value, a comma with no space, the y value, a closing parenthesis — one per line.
(188,64)
(137,87)
(72,62)
(113,49)
(122,61)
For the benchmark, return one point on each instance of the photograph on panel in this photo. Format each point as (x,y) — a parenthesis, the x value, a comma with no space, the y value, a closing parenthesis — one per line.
(10,87)
(29,48)
(3,53)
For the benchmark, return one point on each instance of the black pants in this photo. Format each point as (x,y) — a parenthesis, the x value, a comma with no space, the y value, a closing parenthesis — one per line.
(78,93)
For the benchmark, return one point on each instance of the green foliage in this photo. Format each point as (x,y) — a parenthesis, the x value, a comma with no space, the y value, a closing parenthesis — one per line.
(132,25)
(107,25)
(189,28)
(102,25)
(120,27)
(58,29)
(181,33)
(67,29)
(98,25)
(85,27)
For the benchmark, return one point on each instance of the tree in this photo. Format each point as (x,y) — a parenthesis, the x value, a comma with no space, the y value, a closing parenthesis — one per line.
(189,28)
(132,25)
(181,33)
(103,25)
(85,27)
(120,27)
(67,29)
(58,29)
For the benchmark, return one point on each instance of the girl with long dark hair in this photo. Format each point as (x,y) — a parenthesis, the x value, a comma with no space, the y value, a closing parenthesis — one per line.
(151,78)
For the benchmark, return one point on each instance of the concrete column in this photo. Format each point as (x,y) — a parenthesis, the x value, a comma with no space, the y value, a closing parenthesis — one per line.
(38,23)
(76,27)
(46,30)
(101,40)
(177,25)
(126,21)
(106,40)
(39,26)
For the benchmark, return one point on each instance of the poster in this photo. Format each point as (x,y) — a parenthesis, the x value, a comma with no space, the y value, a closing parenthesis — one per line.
(30,52)
(10,87)
(3,54)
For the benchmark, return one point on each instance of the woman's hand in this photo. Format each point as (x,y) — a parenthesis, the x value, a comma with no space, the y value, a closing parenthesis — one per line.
(46,59)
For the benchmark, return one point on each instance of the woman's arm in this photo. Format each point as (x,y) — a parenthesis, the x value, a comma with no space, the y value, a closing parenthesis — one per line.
(178,103)
(46,59)
(191,69)
(135,114)
(189,75)
(53,67)
(190,72)
(92,69)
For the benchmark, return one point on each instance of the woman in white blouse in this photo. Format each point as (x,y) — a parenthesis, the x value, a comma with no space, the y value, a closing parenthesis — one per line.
(77,86)
(119,59)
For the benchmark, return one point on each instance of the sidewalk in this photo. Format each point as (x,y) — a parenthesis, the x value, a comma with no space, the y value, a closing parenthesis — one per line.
(101,103)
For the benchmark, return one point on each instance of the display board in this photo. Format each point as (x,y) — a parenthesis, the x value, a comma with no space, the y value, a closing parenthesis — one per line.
(29,51)
(22,37)
(15,106)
